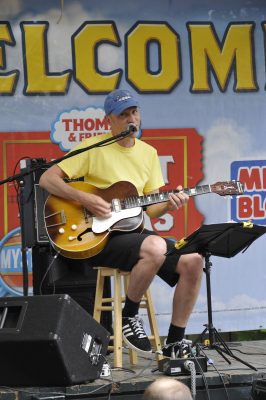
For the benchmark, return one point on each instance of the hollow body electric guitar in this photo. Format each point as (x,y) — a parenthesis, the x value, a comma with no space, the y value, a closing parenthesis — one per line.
(76,233)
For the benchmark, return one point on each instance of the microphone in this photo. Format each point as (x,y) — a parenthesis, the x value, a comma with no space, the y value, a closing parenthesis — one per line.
(132,128)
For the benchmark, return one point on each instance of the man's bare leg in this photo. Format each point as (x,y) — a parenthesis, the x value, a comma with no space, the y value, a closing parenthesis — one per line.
(190,269)
(152,256)
(151,259)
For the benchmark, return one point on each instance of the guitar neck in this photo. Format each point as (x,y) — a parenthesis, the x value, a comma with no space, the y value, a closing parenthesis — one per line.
(147,200)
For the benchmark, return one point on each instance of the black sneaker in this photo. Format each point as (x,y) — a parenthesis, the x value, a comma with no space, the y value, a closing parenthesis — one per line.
(180,349)
(134,334)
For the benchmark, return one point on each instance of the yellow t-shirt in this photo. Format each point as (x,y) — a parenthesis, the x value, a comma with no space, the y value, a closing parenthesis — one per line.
(104,166)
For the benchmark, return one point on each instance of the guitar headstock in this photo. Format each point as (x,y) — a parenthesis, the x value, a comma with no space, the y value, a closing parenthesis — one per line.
(228,188)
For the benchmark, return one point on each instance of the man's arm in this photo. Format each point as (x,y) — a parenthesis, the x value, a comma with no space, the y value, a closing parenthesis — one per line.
(175,202)
(52,180)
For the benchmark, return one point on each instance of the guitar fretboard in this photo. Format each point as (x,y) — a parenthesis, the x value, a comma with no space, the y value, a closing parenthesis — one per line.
(142,201)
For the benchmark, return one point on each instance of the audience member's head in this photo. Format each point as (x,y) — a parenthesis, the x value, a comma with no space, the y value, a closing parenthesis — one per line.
(167,389)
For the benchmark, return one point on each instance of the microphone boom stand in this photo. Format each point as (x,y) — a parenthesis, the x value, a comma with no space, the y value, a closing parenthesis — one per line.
(19,178)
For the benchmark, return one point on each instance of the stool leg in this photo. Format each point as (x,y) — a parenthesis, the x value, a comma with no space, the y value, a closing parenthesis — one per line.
(153,323)
(98,297)
(133,356)
(117,320)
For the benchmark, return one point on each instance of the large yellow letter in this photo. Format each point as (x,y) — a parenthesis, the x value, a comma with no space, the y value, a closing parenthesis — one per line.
(85,44)
(263,24)
(8,80)
(37,78)
(139,73)
(234,53)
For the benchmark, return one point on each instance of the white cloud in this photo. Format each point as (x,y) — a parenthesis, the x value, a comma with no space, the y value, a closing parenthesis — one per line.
(162,295)
(59,35)
(225,142)
(239,302)
(59,59)
(10,8)
(244,301)
(74,126)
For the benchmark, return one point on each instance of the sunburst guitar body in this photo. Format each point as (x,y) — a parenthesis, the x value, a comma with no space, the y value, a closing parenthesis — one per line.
(75,233)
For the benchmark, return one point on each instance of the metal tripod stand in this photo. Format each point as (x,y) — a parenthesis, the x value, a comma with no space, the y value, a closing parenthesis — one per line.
(223,240)
(216,341)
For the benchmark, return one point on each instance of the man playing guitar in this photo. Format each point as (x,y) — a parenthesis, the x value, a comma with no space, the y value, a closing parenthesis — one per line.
(140,251)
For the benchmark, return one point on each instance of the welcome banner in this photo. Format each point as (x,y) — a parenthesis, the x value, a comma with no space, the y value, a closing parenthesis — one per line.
(198,71)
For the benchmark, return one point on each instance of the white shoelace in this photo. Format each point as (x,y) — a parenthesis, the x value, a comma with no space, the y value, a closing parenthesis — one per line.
(137,325)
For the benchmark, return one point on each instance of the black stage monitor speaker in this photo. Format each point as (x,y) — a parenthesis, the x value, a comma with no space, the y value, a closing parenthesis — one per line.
(49,340)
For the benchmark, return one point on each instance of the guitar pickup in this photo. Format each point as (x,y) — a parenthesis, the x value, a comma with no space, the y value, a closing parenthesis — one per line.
(116,205)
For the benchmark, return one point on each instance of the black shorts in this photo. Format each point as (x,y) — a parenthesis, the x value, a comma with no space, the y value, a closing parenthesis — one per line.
(122,251)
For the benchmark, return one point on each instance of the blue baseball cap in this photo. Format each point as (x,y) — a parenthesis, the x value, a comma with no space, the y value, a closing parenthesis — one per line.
(118,100)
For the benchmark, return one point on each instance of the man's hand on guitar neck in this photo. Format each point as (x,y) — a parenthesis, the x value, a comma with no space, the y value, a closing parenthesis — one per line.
(177,200)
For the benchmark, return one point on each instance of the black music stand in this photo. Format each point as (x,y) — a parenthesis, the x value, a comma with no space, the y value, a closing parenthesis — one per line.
(222,240)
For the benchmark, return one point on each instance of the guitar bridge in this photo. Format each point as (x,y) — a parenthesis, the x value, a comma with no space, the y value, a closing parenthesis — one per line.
(58,218)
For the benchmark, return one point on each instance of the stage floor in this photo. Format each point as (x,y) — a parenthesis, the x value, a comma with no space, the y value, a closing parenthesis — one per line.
(221,380)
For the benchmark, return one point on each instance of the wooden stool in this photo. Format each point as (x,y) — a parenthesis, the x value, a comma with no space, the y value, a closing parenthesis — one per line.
(116,307)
